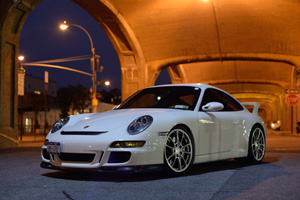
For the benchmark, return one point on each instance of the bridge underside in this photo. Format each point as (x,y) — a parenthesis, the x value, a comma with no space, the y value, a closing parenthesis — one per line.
(249,48)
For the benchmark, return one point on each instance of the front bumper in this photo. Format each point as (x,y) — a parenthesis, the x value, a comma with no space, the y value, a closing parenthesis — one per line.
(125,169)
(95,152)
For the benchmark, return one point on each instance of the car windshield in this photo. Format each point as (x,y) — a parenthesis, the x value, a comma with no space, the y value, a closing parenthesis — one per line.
(176,97)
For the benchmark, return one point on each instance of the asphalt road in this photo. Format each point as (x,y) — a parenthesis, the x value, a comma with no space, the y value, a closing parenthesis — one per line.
(278,177)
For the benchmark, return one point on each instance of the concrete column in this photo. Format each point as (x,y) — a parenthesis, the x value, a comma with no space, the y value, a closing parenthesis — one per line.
(297,107)
(133,72)
(13,15)
(8,94)
(8,81)
(177,74)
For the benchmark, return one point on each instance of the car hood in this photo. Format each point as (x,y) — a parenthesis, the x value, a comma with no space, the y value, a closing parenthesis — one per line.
(110,120)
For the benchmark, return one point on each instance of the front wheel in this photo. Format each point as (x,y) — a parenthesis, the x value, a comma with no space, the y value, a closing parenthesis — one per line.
(179,151)
(257,145)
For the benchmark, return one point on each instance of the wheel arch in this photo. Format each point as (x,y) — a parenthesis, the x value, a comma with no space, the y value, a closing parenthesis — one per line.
(250,157)
(188,131)
(187,128)
(261,126)
(251,128)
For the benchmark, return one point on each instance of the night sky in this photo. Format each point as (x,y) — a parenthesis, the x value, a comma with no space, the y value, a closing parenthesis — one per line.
(42,39)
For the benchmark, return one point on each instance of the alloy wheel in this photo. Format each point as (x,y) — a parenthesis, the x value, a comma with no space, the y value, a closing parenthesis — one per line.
(179,151)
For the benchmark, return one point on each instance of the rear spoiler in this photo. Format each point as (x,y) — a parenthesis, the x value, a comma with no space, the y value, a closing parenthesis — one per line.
(255,107)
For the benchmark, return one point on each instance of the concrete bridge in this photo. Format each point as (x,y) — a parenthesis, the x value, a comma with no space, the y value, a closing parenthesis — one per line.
(250,48)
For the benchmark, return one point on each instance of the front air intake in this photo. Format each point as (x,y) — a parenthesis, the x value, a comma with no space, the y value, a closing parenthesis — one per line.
(119,157)
(82,132)
(77,157)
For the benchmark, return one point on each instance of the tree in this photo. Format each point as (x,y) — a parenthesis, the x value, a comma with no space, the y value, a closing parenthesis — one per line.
(64,100)
(116,93)
(81,97)
(113,96)
(74,98)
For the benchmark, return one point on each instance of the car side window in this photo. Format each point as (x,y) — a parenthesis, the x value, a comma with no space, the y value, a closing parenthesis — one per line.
(233,105)
(213,95)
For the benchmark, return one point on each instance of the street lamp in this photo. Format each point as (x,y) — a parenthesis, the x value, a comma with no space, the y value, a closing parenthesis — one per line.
(65,26)
(21,58)
(107,83)
(21,79)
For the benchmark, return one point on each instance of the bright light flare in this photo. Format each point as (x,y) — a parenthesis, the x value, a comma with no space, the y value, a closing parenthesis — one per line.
(107,83)
(21,58)
(64,26)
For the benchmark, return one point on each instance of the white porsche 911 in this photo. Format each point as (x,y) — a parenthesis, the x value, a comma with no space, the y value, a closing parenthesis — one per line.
(169,126)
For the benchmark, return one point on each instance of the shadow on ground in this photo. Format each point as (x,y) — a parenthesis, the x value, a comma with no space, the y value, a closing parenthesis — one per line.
(197,169)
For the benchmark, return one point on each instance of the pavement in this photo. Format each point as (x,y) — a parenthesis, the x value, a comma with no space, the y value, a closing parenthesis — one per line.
(32,141)
(283,141)
(277,141)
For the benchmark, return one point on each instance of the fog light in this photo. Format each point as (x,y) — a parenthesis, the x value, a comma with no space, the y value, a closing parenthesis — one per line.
(127,144)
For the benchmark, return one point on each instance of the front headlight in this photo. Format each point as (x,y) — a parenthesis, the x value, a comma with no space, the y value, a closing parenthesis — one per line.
(140,124)
(59,124)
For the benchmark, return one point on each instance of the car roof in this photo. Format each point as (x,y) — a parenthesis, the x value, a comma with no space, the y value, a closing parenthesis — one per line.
(199,85)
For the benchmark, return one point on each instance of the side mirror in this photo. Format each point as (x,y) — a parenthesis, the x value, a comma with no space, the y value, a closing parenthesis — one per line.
(213,106)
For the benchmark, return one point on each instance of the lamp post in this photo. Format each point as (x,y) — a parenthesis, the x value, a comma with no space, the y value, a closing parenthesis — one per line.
(64,26)
(21,77)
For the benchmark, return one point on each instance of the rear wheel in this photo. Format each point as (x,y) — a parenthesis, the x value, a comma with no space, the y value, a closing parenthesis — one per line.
(257,145)
(179,151)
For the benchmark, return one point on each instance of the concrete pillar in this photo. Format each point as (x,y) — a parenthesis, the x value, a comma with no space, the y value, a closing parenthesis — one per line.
(297,107)
(133,74)
(132,80)
(8,79)
(177,74)
(13,15)
(8,93)
(286,114)
(136,74)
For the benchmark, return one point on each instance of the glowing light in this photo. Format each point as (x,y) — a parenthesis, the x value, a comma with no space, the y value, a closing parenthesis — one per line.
(107,83)
(21,58)
(37,92)
(64,26)
(127,144)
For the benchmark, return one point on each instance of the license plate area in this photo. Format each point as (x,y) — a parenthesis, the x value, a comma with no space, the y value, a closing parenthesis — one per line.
(53,148)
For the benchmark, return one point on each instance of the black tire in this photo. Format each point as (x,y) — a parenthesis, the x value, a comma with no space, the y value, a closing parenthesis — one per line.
(257,145)
(179,151)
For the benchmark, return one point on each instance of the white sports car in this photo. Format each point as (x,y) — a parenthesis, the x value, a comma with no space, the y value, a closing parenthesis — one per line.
(169,126)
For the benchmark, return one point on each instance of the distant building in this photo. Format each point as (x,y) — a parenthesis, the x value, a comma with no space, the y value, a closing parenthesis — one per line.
(33,84)
(31,106)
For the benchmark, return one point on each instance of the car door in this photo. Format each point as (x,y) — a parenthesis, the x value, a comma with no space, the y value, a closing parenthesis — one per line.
(219,130)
